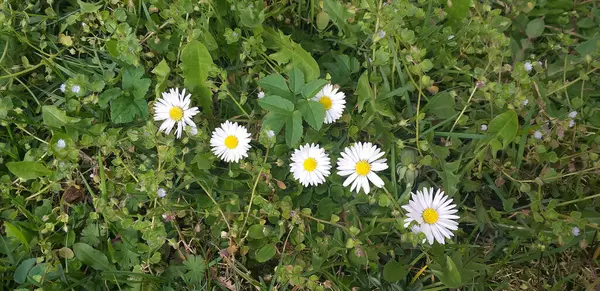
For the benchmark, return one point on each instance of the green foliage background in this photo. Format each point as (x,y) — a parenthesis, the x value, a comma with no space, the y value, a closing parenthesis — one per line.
(441,86)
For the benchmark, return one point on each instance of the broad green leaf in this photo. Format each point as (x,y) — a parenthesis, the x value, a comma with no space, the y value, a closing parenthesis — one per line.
(535,28)
(504,127)
(296,80)
(162,69)
(588,47)
(322,20)
(312,88)
(338,14)
(363,90)
(14,231)
(55,117)
(256,231)
(293,129)
(274,121)
(451,276)
(107,96)
(5,105)
(441,105)
(251,18)
(313,112)
(449,177)
(23,269)
(291,53)
(196,63)
(125,109)
(28,170)
(265,253)
(135,83)
(276,104)
(457,10)
(394,271)
(87,7)
(92,257)
(275,84)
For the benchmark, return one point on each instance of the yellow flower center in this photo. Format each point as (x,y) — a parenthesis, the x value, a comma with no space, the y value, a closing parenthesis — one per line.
(231,142)
(310,164)
(363,168)
(176,113)
(430,216)
(326,101)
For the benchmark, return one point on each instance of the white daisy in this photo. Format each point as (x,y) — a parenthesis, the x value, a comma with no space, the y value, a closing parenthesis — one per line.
(333,101)
(174,108)
(310,165)
(230,142)
(433,213)
(360,162)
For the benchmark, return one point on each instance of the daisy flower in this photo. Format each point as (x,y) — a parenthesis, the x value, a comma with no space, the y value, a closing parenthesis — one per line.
(434,214)
(333,102)
(360,162)
(174,108)
(310,165)
(230,142)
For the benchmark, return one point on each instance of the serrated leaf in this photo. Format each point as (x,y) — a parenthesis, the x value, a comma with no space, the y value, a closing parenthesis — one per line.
(125,109)
(291,53)
(276,104)
(363,90)
(135,83)
(535,28)
(55,117)
(265,253)
(92,257)
(313,87)
(293,129)
(107,96)
(338,14)
(28,170)
(394,271)
(313,112)
(275,85)
(274,121)
(296,80)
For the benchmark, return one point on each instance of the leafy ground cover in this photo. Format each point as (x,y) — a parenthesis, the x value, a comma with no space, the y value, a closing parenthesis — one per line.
(289,161)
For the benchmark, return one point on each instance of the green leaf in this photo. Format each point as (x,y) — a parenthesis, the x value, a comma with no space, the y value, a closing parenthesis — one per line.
(14,231)
(313,112)
(265,253)
(363,90)
(256,231)
(196,268)
(5,105)
(87,7)
(588,47)
(92,257)
(275,84)
(276,104)
(451,276)
(291,53)
(535,28)
(504,127)
(195,63)
(134,82)
(457,10)
(296,80)
(441,105)
(23,269)
(162,69)
(338,14)
(55,117)
(313,87)
(107,96)
(293,129)
(28,170)
(274,121)
(394,271)
(125,109)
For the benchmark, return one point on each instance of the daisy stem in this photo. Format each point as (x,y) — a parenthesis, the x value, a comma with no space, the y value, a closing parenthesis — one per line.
(254,189)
